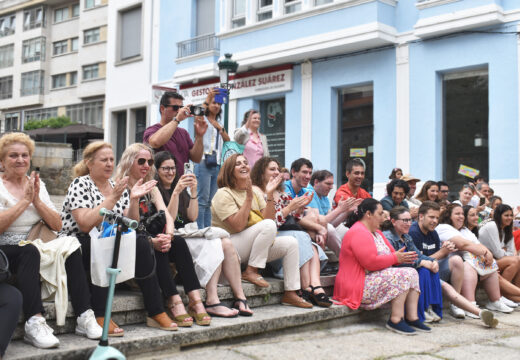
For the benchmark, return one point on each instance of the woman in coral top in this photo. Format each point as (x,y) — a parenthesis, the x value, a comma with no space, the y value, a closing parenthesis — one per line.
(366,277)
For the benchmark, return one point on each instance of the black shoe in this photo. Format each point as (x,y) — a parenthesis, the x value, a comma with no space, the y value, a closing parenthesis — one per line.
(320,299)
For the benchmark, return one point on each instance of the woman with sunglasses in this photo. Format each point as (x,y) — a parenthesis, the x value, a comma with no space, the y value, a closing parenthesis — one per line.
(137,162)
(249,135)
(91,190)
(211,256)
(396,231)
(208,168)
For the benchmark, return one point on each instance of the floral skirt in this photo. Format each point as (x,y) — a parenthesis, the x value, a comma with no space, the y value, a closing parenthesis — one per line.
(385,285)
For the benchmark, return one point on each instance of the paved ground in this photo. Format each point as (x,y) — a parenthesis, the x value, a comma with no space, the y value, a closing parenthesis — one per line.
(451,339)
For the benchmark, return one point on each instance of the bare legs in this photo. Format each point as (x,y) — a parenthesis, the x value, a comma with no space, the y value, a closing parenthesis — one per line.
(406,299)
(489,282)
(457,299)
(510,269)
(310,273)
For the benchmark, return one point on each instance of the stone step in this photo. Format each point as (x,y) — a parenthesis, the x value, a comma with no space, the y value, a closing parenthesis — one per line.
(140,339)
(128,306)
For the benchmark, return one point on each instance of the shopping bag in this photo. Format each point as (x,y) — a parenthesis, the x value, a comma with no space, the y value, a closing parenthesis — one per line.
(229,148)
(102,250)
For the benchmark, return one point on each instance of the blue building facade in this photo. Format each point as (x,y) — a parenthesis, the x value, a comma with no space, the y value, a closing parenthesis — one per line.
(428,86)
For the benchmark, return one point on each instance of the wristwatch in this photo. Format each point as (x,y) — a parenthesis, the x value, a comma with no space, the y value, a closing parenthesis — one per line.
(177,121)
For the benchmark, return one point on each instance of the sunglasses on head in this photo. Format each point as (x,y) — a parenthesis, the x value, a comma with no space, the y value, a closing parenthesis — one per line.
(141,161)
(174,107)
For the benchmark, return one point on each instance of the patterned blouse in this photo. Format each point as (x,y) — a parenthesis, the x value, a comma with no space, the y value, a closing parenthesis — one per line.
(282,202)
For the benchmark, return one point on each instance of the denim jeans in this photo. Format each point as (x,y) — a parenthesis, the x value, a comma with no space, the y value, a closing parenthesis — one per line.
(207,184)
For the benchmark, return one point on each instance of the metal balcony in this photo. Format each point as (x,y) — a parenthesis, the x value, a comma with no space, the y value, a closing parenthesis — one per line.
(197,45)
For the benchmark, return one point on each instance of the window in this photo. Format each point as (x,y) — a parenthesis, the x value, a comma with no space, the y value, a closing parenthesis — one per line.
(11,121)
(61,14)
(321,2)
(265,10)
(292,6)
(130,44)
(91,36)
(90,72)
(140,124)
(34,18)
(7,24)
(33,50)
(41,114)
(6,87)
(60,47)
(59,81)
(89,113)
(75,10)
(32,83)
(74,43)
(239,13)
(6,56)
(73,78)
(89,4)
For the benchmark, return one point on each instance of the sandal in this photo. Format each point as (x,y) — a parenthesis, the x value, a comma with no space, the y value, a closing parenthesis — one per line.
(184,320)
(242,312)
(320,299)
(198,317)
(161,321)
(255,279)
(218,315)
(112,326)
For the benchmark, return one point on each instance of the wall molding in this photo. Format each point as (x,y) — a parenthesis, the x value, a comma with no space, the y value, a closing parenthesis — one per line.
(432,3)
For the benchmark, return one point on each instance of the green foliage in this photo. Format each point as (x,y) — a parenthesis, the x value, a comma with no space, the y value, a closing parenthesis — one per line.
(55,123)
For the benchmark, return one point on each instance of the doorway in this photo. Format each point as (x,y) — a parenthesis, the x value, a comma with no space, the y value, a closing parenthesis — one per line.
(272,113)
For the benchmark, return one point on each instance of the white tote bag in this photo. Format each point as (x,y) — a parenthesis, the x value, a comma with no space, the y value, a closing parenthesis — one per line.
(102,251)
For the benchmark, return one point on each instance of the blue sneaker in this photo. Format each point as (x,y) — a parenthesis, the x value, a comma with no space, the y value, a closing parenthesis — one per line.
(418,325)
(401,327)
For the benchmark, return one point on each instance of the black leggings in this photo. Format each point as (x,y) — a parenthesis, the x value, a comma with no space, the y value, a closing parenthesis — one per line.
(10,308)
(77,283)
(144,260)
(24,262)
(180,255)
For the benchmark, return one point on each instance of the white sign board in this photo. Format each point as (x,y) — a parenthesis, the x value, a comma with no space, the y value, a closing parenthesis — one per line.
(249,86)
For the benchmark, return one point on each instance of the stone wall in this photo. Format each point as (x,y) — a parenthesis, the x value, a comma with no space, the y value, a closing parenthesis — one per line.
(55,163)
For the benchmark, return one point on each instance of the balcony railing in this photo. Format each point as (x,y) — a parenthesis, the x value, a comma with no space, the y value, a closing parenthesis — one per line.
(197,45)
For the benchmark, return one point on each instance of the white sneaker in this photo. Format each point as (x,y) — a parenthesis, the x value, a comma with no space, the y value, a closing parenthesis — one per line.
(457,312)
(39,334)
(436,318)
(498,306)
(471,315)
(508,302)
(88,326)
(427,317)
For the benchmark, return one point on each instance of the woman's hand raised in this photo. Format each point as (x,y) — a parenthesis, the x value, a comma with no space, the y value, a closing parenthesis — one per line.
(28,190)
(407,257)
(273,184)
(139,189)
(119,189)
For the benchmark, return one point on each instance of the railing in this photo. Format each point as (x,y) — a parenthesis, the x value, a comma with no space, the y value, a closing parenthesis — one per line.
(197,45)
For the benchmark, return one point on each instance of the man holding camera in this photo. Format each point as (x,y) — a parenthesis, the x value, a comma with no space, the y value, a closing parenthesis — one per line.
(168,136)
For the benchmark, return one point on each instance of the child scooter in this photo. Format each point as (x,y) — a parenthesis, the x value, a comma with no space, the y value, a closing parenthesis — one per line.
(103,351)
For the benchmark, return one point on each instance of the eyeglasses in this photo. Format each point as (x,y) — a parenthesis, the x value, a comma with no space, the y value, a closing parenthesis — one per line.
(168,168)
(141,161)
(445,191)
(406,221)
(174,107)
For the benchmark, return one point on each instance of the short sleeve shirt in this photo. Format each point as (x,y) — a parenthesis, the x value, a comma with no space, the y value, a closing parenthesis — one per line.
(290,190)
(428,243)
(179,145)
(83,193)
(227,202)
(320,203)
(446,232)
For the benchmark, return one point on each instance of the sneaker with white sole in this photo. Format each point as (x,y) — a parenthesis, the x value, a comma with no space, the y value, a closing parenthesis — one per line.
(508,302)
(39,334)
(436,318)
(488,318)
(427,317)
(457,312)
(470,314)
(88,326)
(498,306)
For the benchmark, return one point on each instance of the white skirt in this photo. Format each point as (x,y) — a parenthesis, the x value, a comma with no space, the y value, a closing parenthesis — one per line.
(207,256)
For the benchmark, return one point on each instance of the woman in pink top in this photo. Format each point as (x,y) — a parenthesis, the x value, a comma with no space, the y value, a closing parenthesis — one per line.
(249,136)
(366,277)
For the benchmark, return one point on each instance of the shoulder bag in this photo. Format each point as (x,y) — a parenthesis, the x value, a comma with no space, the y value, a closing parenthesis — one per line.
(42,231)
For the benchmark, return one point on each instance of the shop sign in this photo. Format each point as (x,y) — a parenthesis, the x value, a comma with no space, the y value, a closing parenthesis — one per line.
(243,86)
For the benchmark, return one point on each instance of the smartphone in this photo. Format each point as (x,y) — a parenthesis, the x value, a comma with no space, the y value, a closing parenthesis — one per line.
(482,201)
(188,168)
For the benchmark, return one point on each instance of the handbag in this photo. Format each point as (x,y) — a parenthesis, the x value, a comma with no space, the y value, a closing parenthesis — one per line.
(41,230)
(211,159)
(102,250)
(152,224)
(4,267)
(255,217)
(479,263)
(290,224)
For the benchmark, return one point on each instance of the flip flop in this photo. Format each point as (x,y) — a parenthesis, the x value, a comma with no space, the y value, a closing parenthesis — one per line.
(242,312)
(218,315)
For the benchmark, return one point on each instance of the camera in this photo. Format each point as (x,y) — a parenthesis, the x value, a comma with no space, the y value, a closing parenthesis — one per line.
(197,110)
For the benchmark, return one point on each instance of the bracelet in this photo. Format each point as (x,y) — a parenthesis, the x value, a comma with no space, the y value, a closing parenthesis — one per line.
(194,197)
(177,121)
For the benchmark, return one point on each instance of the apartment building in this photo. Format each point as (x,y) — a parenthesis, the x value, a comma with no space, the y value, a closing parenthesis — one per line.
(52,61)
(425,85)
